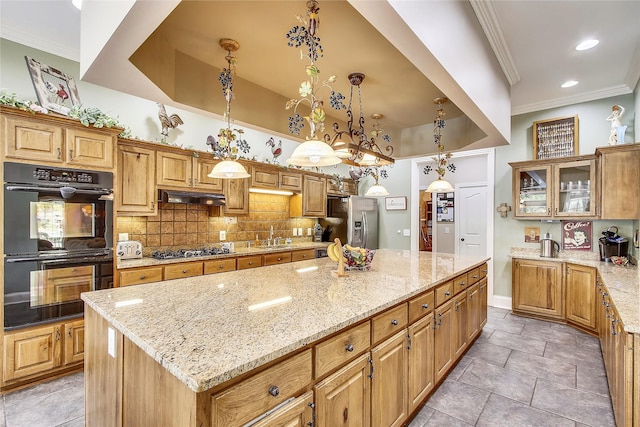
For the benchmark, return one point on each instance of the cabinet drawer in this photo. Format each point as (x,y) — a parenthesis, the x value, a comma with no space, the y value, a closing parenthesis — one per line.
(246,400)
(142,275)
(58,273)
(335,352)
(482,272)
(444,292)
(279,258)
(302,255)
(461,283)
(219,265)
(183,269)
(389,322)
(420,306)
(249,262)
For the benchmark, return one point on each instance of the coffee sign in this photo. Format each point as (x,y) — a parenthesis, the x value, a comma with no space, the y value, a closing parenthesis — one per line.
(576,235)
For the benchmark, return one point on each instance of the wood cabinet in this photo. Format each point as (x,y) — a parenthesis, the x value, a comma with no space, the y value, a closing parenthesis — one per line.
(619,181)
(558,188)
(347,187)
(298,413)
(136,276)
(263,177)
(538,288)
(420,378)
(580,296)
(185,170)
(219,265)
(482,290)
(443,344)
(313,199)
(236,192)
(183,269)
(461,319)
(42,350)
(252,261)
(334,352)
(474,311)
(276,258)
(389,383)
(136,181)
(388,322)
(57,141)
(290,181)
(303,255)
(344,398)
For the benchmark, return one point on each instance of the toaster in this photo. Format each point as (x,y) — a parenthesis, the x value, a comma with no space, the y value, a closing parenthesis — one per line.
(129,249)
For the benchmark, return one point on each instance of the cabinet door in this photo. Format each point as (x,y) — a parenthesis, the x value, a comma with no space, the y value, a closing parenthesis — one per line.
(136,176)
(420,380)
(580,296)
(90,149)
(617,165)
(201,179)
(74,342)
(443,343)
(32,352)
(537,288)
(173,169)
(236,192)
(473,319)
(532,192)
(344,398)
(264,178)
(183,269)
(298,413)
(483,304)
(313,198)
(290,181)
(575,189)
(31,140)
(460,327)
(389,386)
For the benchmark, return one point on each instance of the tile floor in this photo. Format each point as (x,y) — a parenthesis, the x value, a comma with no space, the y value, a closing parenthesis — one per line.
(520,372)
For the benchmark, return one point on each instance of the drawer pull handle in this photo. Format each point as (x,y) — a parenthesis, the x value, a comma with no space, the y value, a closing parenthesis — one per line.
(475,276)
(446,294)
(274,390)
(143,277)
(184,271)
(425,306)
(462,284)
(349,347)
(394,322)
(59,153)
(345,414)
(485,271)
(250,262)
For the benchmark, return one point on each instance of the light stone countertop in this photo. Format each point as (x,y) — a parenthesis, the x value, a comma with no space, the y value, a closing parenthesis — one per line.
(239,251)
(623,283)
(204,330)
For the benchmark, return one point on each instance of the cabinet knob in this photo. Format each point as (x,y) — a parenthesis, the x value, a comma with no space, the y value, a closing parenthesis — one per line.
(143,277)
(221,266)
(475,276)
(274,390)
(425,306)
(184,271)
(349,347)
(250,262)
(462,284)
(446,294)
(279,258)
(394,322)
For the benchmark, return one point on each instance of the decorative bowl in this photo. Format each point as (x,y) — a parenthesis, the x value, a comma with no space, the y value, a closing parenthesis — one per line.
(358,258)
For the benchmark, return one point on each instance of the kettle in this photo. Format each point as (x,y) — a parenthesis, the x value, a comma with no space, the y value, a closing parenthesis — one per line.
(548,248)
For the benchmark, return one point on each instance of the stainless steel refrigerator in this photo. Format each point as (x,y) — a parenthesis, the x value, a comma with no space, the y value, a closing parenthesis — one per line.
(353,219)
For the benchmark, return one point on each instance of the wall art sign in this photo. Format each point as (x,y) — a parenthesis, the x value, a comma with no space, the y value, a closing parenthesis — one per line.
(395,203)
(532,234)
(576,235)
(56,91)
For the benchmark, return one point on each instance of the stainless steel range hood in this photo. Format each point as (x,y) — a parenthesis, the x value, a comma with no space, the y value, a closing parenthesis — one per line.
(191,197)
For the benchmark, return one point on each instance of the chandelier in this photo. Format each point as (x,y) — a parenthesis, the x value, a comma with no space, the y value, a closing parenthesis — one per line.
(314,151)
(228,168)
(442,160)
(353,146)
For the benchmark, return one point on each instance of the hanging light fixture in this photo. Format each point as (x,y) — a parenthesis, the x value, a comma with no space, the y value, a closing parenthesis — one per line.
(314,151)
(440,185)
(376,190)
(353,146)
(228,168)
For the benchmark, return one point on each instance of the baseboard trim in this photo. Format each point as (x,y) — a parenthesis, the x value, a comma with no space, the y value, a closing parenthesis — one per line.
(501,302)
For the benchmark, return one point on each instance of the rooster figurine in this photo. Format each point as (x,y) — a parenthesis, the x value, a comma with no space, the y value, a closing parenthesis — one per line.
(172,121)
(276,151)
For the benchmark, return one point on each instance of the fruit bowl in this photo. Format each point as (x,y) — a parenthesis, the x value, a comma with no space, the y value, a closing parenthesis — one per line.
(358,258)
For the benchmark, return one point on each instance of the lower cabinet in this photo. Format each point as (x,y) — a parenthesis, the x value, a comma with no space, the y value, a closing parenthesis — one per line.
(443,345)
(42,350)
(537,288)
(420,378)
(460,324)
(389,381)
(297,413)
(580,296)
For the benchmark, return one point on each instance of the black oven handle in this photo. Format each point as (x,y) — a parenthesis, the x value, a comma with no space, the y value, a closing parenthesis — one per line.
(12,187)
(95,257)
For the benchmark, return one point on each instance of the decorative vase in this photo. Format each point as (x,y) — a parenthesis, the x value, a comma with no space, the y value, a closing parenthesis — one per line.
(620,130)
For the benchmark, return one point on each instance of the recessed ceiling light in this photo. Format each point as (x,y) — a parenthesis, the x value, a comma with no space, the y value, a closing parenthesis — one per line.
(77,4)
(587,44)
(569,83)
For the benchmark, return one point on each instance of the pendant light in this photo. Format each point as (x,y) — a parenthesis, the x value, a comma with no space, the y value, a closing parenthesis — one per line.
(440,185)
(376,190)
(228,168)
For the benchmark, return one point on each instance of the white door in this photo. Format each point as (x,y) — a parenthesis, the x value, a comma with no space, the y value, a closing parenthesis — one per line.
(471,221)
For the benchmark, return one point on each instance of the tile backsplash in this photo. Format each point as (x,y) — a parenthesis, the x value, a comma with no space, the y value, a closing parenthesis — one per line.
(179,225)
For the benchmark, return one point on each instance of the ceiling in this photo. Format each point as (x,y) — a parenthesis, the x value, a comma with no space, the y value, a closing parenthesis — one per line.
(533,41)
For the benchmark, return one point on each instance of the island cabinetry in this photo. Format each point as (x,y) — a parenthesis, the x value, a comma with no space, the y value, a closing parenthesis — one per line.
(313,199)
(219,265)
(444,293)
(389,322)
(247,400)
(483,302)
(461,320)
(389,362)
(619,164)
(57,141)
(474,311)
(342,348)
(538,288)
(580,297)
(443,344)
(420,377)
(41,351)
(137,276)
(136,180)
(183,269)
(249,262)
(276,258)
(344,398)
(298,413)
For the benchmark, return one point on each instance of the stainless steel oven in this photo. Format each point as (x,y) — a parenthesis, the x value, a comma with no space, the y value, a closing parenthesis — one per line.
(57,241)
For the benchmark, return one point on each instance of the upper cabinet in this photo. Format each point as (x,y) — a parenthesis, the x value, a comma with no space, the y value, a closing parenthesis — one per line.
(57,141)
(136,180)
(347,187)
(620,180)
(177,169)
(236,192)
(559,188)
(313,200)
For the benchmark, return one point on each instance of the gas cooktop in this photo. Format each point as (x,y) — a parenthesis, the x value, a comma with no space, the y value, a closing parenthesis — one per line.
(188,253)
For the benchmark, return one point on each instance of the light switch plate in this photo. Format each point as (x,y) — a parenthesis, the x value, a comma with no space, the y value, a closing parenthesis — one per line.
(406,232)
(123,237)
(295,232)
(308,231)
(223,235)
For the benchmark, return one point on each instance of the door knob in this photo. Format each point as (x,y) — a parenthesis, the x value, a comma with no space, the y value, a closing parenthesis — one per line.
(462,239)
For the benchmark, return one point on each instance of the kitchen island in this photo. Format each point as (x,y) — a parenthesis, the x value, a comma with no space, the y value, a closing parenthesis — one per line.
(165,353)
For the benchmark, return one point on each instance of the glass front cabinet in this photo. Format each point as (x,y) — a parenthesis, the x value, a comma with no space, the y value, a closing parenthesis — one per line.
(562,188)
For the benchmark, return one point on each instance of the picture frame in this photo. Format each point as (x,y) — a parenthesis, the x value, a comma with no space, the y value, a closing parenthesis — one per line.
(555,138)
(395,203)
(56,91)
(577,235)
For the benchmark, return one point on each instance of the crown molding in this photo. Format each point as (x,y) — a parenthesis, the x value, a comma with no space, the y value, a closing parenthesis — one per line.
(569,100)
(486,15)
(633,75)
(27,38)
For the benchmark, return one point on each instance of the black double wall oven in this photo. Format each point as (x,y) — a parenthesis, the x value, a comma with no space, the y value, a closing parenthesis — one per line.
(57,241)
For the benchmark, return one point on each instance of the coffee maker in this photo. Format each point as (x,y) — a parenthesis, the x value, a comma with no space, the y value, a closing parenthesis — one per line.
(612,244)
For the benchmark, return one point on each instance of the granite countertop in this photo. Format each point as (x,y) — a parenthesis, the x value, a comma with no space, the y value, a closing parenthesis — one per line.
(623,283)
(206,330)
(239,251)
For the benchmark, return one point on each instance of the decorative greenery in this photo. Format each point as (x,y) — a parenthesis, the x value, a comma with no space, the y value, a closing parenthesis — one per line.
(12,100)
(91,116)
